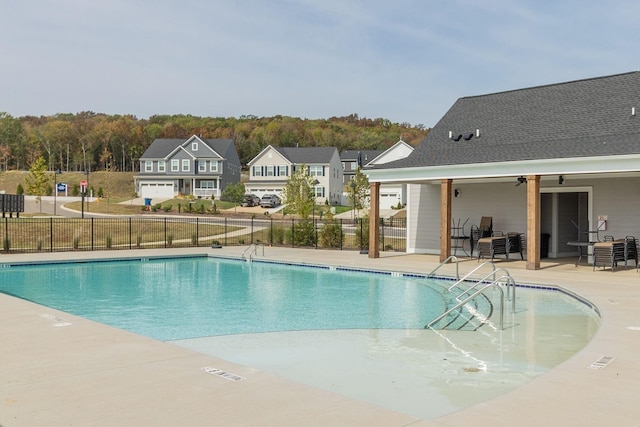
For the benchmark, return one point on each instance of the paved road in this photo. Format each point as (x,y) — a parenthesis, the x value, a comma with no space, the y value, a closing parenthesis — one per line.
(46,206)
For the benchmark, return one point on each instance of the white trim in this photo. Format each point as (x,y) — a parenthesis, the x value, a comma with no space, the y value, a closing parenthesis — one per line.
(575,165)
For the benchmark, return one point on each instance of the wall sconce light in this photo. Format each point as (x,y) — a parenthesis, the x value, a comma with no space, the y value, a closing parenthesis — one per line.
(521,180)
(456,192)
(561,180)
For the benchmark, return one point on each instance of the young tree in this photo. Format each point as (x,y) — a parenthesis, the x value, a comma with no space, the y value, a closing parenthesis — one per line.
(37,181)
(359,191)
(298,193)
(233,193)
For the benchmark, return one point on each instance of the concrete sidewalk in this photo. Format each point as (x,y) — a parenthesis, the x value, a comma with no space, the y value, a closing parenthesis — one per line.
(59,370)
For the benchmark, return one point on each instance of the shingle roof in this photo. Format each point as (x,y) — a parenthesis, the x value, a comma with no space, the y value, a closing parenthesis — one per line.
(309,155)
(161,148)
(583,118)
(365,155)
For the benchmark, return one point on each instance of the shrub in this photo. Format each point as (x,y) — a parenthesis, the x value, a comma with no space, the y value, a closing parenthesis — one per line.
(169,239)
(331,234)
(167,208)
(304,233)
(20,189)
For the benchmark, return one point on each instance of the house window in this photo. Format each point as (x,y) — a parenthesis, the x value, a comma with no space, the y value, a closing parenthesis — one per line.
(194,146)
(175,166)
(257,171)
(316,170)
(282,171)
(213,166)
(271,170)
(318,191)
(208,184)
(202,166)
(185,165)
(162,166)
(148,166)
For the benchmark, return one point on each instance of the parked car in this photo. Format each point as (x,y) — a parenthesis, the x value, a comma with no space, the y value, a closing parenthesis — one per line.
(250,200)
(270,201)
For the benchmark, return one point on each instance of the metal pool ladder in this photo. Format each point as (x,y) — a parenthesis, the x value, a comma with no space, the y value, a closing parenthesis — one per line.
(480,287)
(252,250)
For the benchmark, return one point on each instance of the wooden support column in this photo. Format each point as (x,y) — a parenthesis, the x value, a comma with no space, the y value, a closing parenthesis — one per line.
(445,219)
(374,220)
(533,222)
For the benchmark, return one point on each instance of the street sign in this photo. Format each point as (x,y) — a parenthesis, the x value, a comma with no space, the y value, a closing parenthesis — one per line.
(83,183)
(62,186)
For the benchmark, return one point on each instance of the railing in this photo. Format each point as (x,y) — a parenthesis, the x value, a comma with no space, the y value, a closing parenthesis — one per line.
(494,284)
(38,234)
(472,272)
(468,294)
(252,249)
(446,261)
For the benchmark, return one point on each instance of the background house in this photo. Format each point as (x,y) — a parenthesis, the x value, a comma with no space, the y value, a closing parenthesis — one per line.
(270,170)
(391,194)
(196,166)
(561,160)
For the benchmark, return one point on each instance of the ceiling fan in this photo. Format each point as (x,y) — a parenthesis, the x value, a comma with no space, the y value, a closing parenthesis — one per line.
(521,180)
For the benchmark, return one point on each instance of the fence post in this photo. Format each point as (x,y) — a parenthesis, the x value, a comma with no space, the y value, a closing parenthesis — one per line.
(165,231)
(92,233)
(315,232)
(130,231)
(382,233)
(341,233)
(252,218)
(197,232)
(51,233)
(271,231)
(293,233)
(225,231)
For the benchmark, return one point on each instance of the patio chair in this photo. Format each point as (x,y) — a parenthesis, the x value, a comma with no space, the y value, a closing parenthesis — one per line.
(630,250)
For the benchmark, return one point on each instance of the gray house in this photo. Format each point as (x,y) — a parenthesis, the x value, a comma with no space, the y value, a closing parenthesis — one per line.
(196,166)
(561,161)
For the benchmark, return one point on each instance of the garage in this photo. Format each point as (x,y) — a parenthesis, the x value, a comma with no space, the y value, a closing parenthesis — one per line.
(156,189)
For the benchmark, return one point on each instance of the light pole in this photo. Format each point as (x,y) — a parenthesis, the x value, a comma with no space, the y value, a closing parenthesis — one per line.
(353,186)
(55,191)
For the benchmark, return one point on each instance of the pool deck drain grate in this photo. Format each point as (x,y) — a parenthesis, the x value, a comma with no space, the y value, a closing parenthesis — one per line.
(602,362)
(223,374)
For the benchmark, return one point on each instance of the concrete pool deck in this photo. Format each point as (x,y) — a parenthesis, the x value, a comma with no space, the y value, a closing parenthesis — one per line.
(59,370)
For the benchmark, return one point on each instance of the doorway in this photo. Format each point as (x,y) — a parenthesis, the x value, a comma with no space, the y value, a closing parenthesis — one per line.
(565,215)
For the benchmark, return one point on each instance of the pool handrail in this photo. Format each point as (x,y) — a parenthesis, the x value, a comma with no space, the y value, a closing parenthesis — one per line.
(496,284)
(252,249)
(493,273)
(466,276)
(446,261)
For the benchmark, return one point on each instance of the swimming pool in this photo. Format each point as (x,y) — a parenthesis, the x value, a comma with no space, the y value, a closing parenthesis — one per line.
(356,333)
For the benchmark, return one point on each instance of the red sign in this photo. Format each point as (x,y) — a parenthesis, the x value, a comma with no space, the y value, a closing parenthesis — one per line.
(83,183)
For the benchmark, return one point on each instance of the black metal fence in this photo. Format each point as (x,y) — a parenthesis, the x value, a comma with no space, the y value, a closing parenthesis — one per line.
(87,234)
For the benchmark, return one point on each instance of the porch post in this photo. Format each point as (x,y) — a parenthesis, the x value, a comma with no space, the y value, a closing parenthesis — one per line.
(374,220)
(445,219)
(533,222)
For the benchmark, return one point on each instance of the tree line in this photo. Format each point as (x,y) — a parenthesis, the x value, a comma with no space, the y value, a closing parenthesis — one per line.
(89,141)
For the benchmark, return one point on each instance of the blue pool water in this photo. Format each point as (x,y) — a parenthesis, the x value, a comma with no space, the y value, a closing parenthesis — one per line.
(183,298)
(354,333)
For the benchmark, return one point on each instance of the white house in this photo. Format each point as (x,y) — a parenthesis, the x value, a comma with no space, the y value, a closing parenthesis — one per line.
(392,194)
(270,170)
(195,166)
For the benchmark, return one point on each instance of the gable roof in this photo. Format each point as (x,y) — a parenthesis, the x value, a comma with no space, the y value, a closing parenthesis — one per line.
(363,156)
(399,150)
(578,119)
(313,155)
(162,148)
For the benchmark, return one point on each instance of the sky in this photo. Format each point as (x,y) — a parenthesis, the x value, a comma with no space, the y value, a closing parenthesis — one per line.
(405,60)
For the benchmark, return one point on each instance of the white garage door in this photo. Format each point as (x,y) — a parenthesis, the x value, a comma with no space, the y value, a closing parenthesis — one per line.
(159,190)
